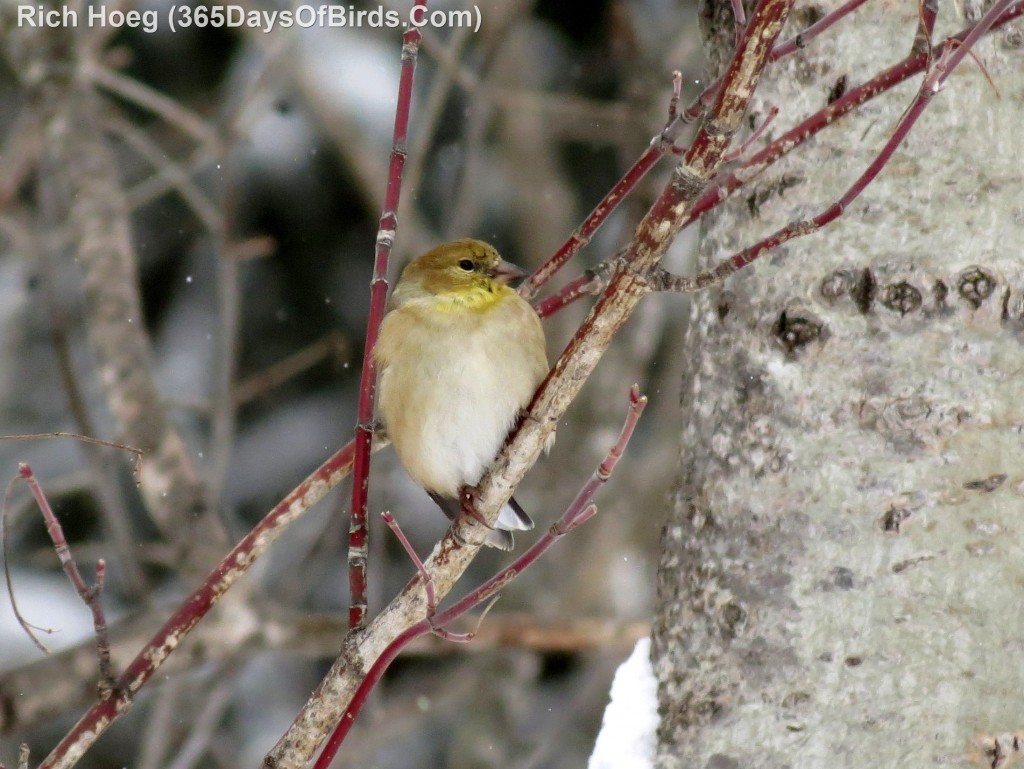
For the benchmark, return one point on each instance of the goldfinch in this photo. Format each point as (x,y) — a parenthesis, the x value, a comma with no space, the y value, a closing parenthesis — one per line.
(460,354)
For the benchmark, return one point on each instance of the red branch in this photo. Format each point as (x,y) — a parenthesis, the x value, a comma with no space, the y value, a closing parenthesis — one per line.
(660,145)
(951,53)
(114,704)
(580,510)
(593,281)
(358,534)
(92,597)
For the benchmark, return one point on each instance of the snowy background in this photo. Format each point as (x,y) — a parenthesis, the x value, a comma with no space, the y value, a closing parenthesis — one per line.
(517,131)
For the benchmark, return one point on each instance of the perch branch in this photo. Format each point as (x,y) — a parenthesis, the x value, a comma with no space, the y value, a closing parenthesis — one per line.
(580,510)
(358,529)
(453,554)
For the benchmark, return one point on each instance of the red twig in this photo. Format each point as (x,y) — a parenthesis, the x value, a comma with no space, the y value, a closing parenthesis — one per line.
(581,509)
(737,153)
(115,703)
(953,52)
(593,281)
(587,284)
(92,596)
(428,586)
(801,39)
(358,531)
(677,92)
(428,582)
(659,146)
(739,17)
(927,11)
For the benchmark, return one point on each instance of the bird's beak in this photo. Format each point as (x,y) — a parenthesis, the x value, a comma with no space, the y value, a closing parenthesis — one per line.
(505,272)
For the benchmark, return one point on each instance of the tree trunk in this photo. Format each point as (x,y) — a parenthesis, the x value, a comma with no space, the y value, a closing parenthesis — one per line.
(841,573)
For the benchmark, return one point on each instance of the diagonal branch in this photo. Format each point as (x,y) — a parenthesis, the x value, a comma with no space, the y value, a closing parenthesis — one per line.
(580,510)
(453,554)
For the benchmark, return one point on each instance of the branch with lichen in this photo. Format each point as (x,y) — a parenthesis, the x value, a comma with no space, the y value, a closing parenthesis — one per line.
(457,549)
(594,281)
(578,512)
(695,184)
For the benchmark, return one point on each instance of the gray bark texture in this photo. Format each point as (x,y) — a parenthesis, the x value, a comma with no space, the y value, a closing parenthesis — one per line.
(842,570)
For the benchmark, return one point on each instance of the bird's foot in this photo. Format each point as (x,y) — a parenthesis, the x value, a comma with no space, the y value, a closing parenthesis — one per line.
(470,498)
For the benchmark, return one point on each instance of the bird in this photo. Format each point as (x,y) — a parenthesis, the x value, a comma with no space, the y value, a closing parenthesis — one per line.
(459,356)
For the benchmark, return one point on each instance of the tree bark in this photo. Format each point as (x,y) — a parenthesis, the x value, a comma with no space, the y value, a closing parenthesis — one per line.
(841,569)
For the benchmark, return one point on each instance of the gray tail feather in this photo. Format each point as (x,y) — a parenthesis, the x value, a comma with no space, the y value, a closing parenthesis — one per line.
(449,506)
(512,516)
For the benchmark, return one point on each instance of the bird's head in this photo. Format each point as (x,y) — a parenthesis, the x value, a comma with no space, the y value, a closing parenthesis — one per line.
(464,273)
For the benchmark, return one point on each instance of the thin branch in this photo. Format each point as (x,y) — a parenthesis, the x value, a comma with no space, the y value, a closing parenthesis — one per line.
(137,454)
(333,346)
(737,153)
(358,530)
(166,179)
(927,12)
(428,583)
(801,39)
(580,510)
(953,53)
(141,95)
(92,596)
(739,16)
(581,236)
(178,176)
(27,626)
(207,720)
(430,113)
(145,664)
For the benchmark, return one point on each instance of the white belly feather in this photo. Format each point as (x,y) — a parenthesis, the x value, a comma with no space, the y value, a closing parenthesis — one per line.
(448,412)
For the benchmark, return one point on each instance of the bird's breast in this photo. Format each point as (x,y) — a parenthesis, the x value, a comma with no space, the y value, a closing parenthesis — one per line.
(452,386)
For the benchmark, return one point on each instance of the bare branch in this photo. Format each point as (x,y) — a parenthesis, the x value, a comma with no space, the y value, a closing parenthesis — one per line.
(358,530)
(581,509)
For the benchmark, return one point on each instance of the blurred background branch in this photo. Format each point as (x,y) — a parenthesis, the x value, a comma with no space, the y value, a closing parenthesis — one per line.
(184,145)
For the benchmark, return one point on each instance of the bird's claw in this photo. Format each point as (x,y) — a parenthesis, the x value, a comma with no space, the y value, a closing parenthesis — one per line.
(470,497)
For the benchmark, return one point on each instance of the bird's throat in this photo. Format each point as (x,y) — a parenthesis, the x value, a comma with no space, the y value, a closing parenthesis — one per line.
(475,299)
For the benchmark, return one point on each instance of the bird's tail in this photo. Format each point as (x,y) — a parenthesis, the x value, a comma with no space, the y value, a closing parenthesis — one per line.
(511,518)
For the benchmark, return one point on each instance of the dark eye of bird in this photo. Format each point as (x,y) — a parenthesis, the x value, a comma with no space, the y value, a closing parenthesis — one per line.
(466,264)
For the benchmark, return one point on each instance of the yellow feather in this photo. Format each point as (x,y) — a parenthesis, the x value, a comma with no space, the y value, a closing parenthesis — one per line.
(460,354)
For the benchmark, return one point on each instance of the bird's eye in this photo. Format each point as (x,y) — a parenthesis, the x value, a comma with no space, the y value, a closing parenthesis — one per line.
(466,264)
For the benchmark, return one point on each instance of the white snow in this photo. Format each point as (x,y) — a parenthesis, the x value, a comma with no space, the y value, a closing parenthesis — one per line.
(626,739)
